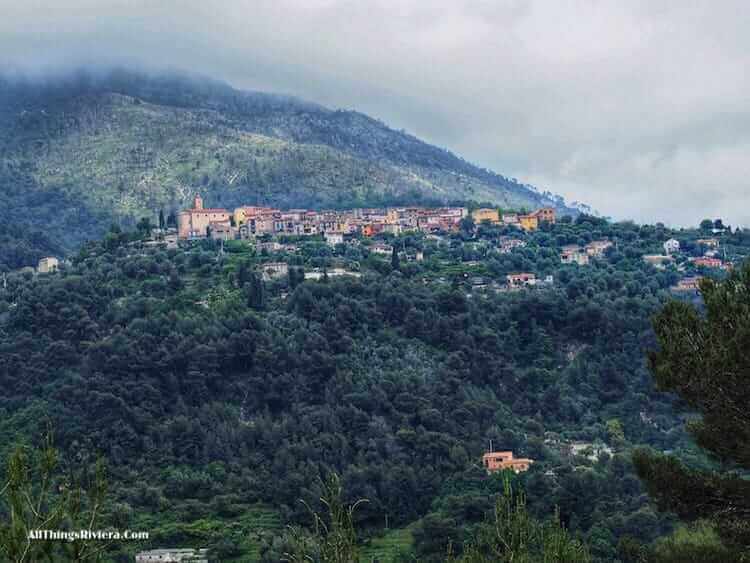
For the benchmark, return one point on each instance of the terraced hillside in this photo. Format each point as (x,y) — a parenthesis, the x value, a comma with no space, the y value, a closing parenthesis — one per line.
(124,145)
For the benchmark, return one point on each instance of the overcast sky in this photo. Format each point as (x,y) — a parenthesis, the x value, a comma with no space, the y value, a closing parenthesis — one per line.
(639,108)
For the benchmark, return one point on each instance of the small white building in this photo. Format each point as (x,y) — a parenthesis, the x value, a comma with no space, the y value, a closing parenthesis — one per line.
(274,270)
(334,238)
(671,246)
(381,248)
(47,265)
(574,254)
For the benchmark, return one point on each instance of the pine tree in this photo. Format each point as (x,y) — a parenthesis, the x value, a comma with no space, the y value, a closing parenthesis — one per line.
(256,297)
(704,359)
(162,222)
(395,261)
(36,495)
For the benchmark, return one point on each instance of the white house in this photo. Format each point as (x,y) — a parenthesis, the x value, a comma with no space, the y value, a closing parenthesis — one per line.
(672,245)
(47,265)
(334,238)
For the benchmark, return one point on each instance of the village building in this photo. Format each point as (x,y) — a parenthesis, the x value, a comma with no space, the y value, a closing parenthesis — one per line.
(597,248)
(270,246)
(658,261)
(47,265)
(381,248)
(671,246)
(508,244)
(332,273)
(498,461)
(171,240)
(708,242)
(391,228)
(544,215)
(333,239)
(528,222)
(194,223)
(510,219)
(243,214)
(709,262)
(521,279)
(574,254)
(274,270)
(221,231)
(688,284)
(486,214)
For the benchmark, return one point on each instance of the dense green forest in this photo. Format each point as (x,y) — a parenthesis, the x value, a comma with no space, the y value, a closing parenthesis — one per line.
(221,399)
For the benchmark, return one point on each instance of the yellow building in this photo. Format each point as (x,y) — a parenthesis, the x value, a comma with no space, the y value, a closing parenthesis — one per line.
(241,214)
(529,222)
(486,214)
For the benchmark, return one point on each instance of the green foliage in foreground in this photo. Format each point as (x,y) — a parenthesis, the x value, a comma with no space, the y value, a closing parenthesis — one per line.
(35,496)
(516,537)
(512,535)
(704,359)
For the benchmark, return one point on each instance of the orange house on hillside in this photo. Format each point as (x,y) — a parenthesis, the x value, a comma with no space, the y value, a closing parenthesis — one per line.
(497,461)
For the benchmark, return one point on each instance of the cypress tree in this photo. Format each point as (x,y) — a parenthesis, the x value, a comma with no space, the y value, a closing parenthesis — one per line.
(703,357)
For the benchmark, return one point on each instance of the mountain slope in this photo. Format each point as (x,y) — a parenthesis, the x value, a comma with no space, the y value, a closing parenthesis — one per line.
(122,145)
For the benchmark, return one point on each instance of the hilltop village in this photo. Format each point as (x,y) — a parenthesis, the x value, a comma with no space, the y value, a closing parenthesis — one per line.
(267,226)
(462,244)
(249,222)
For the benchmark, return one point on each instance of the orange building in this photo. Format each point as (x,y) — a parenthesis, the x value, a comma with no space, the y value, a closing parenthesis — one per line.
(497,461)
(194,223)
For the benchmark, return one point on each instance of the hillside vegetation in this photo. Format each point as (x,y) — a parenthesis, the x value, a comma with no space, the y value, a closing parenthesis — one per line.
(212,394)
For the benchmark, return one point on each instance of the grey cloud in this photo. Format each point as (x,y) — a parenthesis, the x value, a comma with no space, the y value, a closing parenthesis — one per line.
(638,108)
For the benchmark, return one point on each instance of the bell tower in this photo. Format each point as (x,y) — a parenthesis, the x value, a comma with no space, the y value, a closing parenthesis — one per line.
(198,202)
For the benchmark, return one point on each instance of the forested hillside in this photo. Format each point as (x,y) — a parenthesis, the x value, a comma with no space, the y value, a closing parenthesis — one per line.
(220,398)
(78,152)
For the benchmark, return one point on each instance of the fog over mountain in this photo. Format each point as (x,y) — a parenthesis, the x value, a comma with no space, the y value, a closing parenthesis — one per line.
(635,108)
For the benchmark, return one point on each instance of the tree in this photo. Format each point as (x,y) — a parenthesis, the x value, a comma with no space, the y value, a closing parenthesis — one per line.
(36,497)
(255,292)
(395,262)
(467,225)
(296,276)
(515,536)
(706,225)
(703,358)
(162,222)
(333,538)
(144,226)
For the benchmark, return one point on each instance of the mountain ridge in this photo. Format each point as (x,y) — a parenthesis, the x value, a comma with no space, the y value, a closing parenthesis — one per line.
(119,145)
